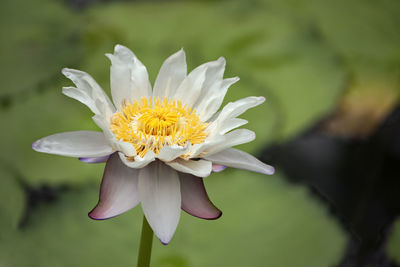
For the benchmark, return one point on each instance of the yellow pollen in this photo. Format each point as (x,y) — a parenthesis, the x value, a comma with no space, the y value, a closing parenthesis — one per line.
(149,125)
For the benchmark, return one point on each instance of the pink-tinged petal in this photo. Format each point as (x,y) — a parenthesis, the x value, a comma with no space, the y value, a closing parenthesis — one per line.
(95,160)
(118,190)
(74,144)
(195,200)
(160,194)
(200,168)
(218,168)
(236,158)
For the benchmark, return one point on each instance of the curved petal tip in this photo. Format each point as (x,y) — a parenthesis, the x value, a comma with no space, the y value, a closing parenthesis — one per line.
(218,168)
(270,170)
(35,145)
(95,215)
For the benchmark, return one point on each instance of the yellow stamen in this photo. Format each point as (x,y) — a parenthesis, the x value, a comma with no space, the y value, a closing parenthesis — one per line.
(149,125)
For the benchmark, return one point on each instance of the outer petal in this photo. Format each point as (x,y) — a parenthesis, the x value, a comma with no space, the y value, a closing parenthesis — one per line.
(74,144)
(95,160)
(129,78)
(160,194)
(200,168)
(118,190)
(171,75)
(87,90)
(232,110)
(195,200)
(239,159)
(234,138)
(138,161)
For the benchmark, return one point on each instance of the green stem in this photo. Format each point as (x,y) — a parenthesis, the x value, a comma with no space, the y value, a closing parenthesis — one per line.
(146,242)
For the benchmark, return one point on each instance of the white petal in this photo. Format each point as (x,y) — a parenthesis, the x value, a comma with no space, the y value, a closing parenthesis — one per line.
(198,149)
(160,195)
(118,191)
(234,138)
(212,102)
(171,75)
(234,109)
(87,91)
(198,82)
(74,144)
(200,168)
(215,73)
(231,124)
(239,159)
(168,153)
(129,78)
(138,162)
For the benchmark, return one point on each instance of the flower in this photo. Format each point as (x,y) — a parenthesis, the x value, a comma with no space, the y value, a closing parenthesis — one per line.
(158,144)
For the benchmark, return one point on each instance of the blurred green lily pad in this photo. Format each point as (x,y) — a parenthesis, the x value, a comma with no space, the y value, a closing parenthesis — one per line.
(40,38)
(12,203)
(393,247)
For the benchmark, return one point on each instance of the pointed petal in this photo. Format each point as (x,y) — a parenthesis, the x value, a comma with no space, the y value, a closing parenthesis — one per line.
(236,158)
(95,160)
(160,195)
(74,144)
(195,200)
(169,153)
(200,168)
(234,109)
(118,190)
(129,78)
(87,90)
(171,75)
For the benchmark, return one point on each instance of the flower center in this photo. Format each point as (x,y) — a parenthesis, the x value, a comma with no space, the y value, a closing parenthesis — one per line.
(149,125)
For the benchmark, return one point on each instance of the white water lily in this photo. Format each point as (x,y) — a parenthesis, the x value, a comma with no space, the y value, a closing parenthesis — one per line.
(158,143)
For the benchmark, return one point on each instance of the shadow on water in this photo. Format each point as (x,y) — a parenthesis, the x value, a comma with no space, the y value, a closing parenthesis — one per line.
(358,178)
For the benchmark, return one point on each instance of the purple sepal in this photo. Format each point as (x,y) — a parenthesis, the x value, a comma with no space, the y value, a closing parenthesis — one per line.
(95,160)
(218,168)
(195,200)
